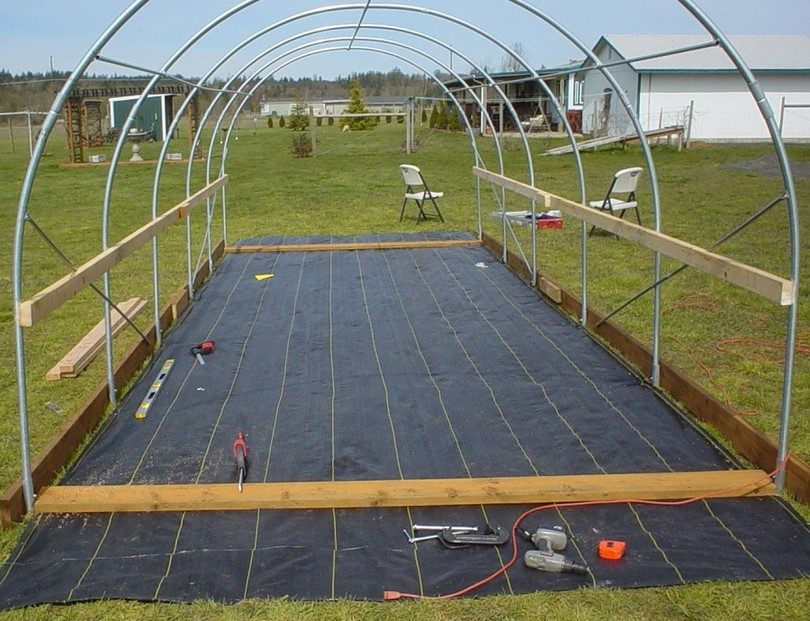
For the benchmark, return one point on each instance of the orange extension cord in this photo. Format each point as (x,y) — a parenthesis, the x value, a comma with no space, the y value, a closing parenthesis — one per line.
(396,595)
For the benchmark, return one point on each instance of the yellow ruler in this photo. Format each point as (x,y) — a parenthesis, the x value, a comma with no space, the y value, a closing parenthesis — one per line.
(143,409)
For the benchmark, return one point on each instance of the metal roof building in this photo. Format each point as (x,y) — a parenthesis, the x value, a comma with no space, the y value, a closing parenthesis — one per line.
(664,87)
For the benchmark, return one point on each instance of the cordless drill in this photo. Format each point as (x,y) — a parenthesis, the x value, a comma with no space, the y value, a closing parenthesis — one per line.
(544,558)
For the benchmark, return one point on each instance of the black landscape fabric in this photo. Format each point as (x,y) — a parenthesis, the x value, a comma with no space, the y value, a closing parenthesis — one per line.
(427,363)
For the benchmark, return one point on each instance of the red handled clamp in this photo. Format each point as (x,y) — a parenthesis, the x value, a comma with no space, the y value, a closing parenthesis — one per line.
(203,349)
(240,453)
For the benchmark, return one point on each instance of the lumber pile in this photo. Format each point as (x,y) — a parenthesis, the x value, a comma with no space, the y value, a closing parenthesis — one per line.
(83,353)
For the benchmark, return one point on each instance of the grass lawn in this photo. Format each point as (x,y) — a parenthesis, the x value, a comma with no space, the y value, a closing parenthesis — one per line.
(720,335)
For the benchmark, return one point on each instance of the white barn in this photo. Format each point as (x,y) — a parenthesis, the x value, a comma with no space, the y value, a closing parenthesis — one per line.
(661,89)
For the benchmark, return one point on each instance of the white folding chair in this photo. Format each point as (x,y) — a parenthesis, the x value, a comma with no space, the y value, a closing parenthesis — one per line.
(624,184)
(413,181)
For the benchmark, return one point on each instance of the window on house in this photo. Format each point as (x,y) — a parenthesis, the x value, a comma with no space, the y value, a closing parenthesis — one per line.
(578,98)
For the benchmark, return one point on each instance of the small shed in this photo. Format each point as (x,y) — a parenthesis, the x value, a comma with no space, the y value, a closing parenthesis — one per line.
(155,115)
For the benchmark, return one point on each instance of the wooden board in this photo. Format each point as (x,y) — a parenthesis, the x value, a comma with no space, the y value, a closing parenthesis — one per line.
(769,286)
(746,439)
(403,493)
(382,245)
(50,298)
(83,353)
(55,456)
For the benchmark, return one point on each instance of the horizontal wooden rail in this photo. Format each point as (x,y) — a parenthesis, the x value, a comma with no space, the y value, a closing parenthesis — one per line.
(380,245)
(50,298)
(403,493)
(770,286)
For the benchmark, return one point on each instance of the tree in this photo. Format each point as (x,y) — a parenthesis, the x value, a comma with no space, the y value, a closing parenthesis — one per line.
(509,62)
(434,116)
(453,123)
(357,106)
(281,121)
(270,121)
(299,117)
(441,117)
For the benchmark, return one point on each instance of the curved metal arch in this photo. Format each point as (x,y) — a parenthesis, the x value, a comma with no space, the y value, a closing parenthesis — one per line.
(135,6)
(447,91)
(229,131)
(19,235)
(793,220)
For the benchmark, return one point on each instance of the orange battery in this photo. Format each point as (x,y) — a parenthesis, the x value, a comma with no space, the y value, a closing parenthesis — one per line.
(611,550)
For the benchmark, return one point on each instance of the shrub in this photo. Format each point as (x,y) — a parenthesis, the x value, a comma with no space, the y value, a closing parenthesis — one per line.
(299,118)
(301,145)
(319,121)
(400,119)
(331,121)
(434,117)
(388,119)
(424,115)
(270,121)
(281,121)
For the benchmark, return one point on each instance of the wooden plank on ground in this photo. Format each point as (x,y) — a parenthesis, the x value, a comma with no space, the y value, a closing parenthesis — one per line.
(381,245)
(769,286)
(50,298)
(56,455)
(403,493)
(83,353)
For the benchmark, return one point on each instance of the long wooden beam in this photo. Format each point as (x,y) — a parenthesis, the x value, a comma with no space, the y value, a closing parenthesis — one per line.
(746,439)
(407,493)
(380,245)
(50,298)
(770,286)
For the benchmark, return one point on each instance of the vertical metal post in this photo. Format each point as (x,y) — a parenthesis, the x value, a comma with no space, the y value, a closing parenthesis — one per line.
(689,125)
(583,273)
(224,218)
(781,116)
(30,136)
(11,135)
(312,130)
(408,128)
(500,118)
(482,121)
(189,267)
(209,216)
(478,205)
(112,389)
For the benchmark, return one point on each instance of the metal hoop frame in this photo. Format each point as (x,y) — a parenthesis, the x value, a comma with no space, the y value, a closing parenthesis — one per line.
(279,61)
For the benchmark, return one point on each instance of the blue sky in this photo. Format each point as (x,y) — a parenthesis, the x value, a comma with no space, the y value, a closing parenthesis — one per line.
(35,29)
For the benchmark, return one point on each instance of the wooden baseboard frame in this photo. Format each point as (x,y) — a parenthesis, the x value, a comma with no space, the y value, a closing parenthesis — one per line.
(57,454)
(379,245)
(404,493)
(746,439)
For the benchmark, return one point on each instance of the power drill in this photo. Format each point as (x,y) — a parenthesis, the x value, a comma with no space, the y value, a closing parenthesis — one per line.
(544,558)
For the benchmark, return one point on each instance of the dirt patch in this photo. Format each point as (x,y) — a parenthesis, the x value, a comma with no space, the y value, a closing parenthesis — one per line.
(768,166)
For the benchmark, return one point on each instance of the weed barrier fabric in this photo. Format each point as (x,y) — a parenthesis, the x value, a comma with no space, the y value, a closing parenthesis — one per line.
(375,365)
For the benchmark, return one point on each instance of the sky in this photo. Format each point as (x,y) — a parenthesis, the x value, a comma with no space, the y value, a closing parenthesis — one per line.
(33,31)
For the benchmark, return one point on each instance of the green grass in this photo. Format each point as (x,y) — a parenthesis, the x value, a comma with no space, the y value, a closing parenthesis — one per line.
(352,186)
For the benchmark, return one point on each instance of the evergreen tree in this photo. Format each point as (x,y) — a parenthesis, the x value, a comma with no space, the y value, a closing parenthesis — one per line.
(299,118)
(453,123)
(270,121)
(424,115)
(434,117)
(281,121)
(357,106)
(441,116)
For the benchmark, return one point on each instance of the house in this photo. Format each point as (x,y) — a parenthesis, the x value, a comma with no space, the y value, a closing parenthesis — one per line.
(525,94)
(664,89)
(374,104)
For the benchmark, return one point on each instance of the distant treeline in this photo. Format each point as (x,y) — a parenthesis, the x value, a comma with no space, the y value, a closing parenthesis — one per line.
(35,91)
